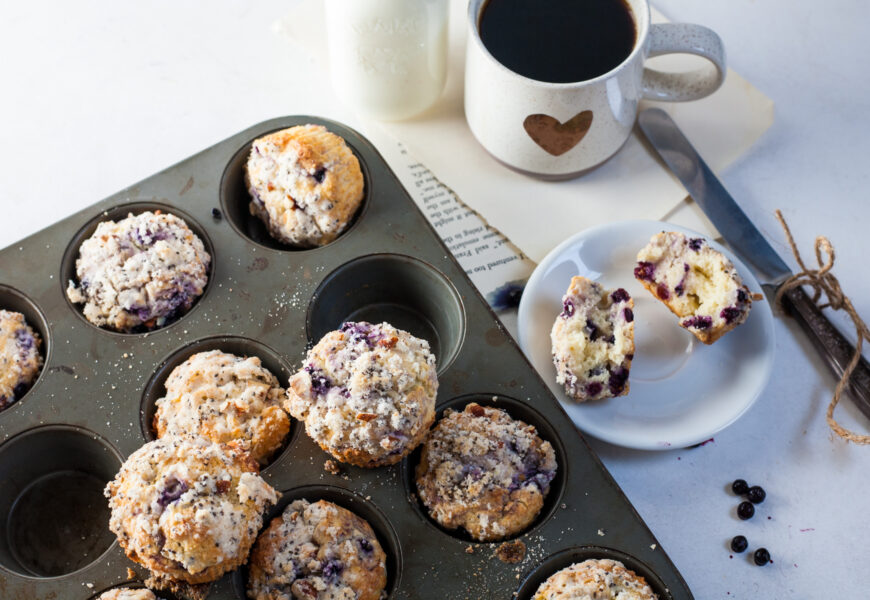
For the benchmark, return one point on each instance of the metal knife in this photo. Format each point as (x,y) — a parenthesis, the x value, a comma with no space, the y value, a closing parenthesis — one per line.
(743,237)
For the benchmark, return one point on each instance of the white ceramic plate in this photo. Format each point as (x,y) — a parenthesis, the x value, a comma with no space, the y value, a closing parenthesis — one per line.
(682,392)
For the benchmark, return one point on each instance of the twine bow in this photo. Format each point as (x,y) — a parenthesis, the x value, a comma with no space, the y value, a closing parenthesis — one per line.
(822,280)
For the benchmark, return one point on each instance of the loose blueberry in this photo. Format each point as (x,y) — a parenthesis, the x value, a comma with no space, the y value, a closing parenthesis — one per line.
(739,543)
(745,510)
(739,487)
(216,214)
(756,494)
(761,557)
(620,295)
(644,270)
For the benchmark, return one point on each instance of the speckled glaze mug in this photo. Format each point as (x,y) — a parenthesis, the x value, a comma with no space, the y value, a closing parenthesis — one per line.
(562,130)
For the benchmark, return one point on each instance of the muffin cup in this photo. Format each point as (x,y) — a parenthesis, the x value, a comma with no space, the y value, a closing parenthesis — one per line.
(569,556)
(68,265)
(12,299)
(236,199)
(56,518)
(518,411)
(356,504)
(240,346)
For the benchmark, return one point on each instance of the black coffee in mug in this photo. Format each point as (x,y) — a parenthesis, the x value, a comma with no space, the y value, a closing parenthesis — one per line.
(560,41)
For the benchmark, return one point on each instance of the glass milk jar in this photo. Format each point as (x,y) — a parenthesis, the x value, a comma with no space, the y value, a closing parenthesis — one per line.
(388,58)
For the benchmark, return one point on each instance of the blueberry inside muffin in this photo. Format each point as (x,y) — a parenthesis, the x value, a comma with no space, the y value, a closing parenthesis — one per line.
(485,472)
(696,282)
(593,341)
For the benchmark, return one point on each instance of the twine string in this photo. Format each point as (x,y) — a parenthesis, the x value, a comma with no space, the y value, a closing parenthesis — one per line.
(823,281)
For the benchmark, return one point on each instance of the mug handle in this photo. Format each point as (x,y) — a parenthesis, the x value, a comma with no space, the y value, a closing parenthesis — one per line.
(668,38)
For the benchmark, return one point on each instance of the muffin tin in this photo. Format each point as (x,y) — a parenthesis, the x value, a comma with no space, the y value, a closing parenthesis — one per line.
(93,402)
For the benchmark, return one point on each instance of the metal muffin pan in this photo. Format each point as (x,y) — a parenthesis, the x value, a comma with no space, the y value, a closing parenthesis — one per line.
(93,404)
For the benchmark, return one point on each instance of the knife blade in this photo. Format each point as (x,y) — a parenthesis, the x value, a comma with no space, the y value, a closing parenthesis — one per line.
(748,243)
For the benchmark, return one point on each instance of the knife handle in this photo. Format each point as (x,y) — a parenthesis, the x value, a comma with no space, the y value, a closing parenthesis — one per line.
(831,344)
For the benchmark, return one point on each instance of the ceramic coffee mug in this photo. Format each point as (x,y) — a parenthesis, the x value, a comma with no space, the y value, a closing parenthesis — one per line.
(561,130)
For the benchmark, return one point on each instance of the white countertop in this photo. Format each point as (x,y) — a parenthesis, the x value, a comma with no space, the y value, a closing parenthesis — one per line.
(98,95)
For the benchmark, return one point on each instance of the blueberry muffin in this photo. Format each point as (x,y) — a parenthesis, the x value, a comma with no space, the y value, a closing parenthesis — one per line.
(139,273)
(366,393)
(593,341)
(305,184)
(485,472)
(127,593)
(317,551)
(224,397)
(20,360)
(595,579)
(698,283)
(187,508)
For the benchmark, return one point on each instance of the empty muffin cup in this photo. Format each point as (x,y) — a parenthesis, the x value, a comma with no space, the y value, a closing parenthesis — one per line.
(55,517)
(407,293)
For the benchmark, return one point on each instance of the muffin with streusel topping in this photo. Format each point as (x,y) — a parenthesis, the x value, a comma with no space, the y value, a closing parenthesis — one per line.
(595,579)
(317,551)
(305,184)
(484,471)
(366,393)
(20,360)
(139,273)
(128,593)
(224,397)
(187,508)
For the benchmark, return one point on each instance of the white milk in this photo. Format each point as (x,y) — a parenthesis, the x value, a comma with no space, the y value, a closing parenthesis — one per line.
(388,58)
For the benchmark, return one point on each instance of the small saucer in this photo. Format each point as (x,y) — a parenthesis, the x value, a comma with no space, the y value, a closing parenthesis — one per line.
(682,392)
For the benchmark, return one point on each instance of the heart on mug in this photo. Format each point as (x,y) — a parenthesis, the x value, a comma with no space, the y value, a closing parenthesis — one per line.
(555,137)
